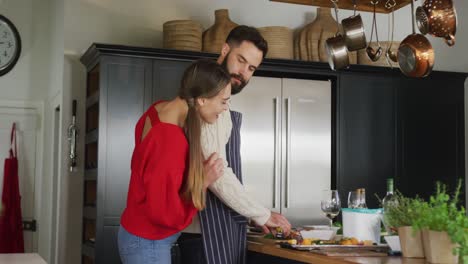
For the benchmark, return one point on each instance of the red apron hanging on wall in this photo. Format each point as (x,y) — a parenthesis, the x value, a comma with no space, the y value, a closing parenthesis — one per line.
(11,222)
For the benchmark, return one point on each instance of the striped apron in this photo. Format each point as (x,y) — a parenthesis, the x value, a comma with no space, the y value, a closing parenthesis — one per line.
(224,230)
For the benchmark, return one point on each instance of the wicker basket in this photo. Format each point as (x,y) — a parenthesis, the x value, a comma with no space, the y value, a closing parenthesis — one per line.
(183,35)
(364,59)
(280,42)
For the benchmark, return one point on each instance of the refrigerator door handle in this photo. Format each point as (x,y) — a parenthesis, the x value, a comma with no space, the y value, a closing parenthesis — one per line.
(276,152)
(288,149)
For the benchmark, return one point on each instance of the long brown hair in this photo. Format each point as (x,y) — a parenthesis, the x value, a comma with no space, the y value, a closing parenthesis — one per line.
(204,78)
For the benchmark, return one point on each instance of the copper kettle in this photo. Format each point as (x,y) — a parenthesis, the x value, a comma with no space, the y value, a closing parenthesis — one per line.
(415,54)
(438,18)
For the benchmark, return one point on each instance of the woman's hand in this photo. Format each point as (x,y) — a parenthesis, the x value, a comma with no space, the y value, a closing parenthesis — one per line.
(213,169)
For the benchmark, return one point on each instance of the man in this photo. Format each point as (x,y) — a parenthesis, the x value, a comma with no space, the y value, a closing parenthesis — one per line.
(223,221)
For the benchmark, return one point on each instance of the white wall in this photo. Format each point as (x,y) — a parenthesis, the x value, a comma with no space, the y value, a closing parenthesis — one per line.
(28,80)
(37,78)
(53,99)
(140,22)
(456,57)
(70,184)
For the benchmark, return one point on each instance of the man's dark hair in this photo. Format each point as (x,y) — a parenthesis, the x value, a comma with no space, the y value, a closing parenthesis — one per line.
(246,33)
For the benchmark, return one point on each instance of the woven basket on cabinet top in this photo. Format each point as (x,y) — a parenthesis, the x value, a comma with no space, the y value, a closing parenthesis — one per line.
(182,35)
(280,42)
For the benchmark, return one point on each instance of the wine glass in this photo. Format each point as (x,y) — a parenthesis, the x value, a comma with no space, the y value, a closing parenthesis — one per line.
(331,204)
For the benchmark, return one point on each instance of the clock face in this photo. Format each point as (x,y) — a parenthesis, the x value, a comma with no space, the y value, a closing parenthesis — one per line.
(10,45)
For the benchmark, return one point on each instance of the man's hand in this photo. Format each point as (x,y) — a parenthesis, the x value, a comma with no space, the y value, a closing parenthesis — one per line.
(213,169)
(277,220)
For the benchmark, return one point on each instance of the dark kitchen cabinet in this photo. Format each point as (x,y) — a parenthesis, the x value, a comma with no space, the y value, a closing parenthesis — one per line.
(430,133)
(366,113)
(391,126)
(119,90)
(167,75)
(383,125)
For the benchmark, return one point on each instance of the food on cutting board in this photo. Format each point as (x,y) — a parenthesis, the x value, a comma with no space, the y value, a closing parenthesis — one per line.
(347,241)
(295,238)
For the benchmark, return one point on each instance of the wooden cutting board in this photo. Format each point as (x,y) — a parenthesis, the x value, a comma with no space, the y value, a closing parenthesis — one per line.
(348,253)
(331,252)
(262,239)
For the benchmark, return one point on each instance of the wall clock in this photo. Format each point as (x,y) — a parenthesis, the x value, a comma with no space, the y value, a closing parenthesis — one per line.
(10,45)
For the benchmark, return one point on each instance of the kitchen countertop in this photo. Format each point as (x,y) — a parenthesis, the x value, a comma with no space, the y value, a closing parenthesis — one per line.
(23,258)
(306,257)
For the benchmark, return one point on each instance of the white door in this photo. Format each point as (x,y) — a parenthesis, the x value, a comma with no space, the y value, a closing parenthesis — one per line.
(27,124)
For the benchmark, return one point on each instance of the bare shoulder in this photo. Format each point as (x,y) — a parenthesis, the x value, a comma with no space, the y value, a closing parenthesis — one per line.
(167,112)
(146,128)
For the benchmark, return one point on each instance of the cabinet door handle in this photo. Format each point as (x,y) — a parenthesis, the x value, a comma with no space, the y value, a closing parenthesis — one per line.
(276,158)
(288,149)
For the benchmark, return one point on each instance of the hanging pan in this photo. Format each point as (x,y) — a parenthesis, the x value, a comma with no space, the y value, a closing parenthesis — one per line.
(337,51)
(353,31)
(415,54)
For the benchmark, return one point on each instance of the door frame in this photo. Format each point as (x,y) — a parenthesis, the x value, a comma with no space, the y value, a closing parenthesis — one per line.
(38,108)
(55,164)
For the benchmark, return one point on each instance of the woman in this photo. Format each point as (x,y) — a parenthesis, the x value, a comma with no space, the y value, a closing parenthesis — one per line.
(164,194)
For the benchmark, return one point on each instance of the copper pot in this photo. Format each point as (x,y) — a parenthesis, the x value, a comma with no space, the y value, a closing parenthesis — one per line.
(438,18)
(415,54)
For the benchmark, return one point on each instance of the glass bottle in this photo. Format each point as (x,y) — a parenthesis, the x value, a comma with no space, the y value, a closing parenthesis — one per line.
(389,197)
(362,195)
(388,201)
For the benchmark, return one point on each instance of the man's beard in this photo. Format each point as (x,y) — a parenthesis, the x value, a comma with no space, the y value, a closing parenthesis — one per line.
(235,88)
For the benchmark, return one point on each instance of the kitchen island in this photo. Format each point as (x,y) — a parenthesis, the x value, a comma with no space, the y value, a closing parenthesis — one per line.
(269,253)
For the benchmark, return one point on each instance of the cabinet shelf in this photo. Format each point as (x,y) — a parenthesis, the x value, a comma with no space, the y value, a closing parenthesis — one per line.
(93,81)
(92,117)
(90,193)
(87,249)
(90,175)
(91,155)
(92,99)
(87,260)
(365,6)
(89,212)
(92,136)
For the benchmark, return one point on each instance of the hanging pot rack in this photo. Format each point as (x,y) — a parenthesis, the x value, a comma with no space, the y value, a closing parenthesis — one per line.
(348,4)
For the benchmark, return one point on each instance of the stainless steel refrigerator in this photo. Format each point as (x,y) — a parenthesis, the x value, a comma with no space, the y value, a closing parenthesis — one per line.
(286,144)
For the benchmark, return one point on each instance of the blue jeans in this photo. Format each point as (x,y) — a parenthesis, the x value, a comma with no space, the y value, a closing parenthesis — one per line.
(137,250)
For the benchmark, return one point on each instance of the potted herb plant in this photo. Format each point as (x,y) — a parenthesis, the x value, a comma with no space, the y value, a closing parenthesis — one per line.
(400,215)
(444,225)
